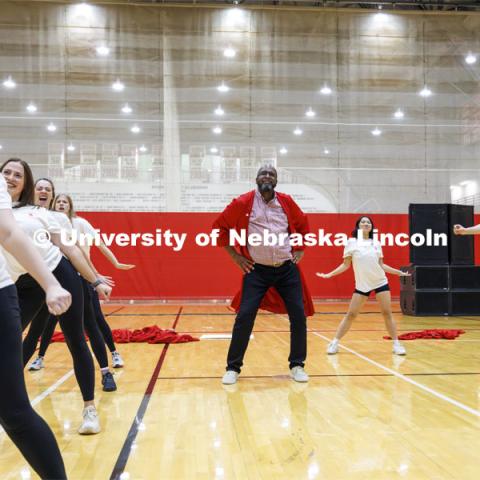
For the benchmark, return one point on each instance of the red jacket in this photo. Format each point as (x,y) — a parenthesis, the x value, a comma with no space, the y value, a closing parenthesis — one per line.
(236,216)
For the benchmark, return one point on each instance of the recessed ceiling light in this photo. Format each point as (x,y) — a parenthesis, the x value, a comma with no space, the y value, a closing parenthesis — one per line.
(71,148)
(223,88)
(470,59)
(118,86)
(1,146)
(229,52)
(102,50)
(217,130)
(298,131)
(219,111)
(398,113)
(376,132)
(425,92)
(283,151)
(326,151)
(126,108)
(31,108)
(310,113)
(9,82)
(325,90)
(214,150)
(143,148)
(51,127)
(135,129)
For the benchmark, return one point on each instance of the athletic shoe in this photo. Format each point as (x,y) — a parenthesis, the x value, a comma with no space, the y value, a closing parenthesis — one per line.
(37,364)
(299,374)
(399,349)
(108,382)
(117,361)
(230,377)
(90,424)
(332,348)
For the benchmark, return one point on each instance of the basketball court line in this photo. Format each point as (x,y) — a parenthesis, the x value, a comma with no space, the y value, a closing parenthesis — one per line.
(405,378)
(126,449)
(216,314)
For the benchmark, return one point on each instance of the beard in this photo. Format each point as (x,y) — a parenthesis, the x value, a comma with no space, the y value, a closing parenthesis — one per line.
(266,187)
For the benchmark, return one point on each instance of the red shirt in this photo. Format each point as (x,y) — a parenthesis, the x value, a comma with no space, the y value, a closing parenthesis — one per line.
(236,216)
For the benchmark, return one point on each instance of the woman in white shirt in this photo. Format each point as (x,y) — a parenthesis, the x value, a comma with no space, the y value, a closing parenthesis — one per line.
(23,425)
(43,325)
(367,258)
(45,232)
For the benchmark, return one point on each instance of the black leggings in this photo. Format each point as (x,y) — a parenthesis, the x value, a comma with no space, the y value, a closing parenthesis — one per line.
(101,322)
(31,299)
(23,425)
(50,322)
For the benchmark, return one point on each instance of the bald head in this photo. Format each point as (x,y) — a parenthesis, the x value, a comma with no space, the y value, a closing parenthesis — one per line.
(267,167)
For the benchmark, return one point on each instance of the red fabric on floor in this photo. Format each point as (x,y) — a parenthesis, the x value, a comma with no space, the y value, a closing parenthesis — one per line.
(151,334)
(435,334)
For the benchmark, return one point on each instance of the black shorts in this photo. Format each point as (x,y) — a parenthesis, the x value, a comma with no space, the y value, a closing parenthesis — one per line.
(383,288)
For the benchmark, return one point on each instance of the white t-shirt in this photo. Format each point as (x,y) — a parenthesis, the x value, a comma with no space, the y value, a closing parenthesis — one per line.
(5,204)
(35,222)
(83,227)
(64,223)
(369,275)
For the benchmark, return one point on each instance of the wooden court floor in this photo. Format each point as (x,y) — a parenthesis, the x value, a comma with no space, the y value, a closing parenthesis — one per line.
(365,414)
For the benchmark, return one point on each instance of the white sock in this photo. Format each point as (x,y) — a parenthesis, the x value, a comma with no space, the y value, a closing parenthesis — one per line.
(104,370)
(335,340)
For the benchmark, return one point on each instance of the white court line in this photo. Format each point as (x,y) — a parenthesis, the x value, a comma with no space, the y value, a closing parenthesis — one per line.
(439,395)
(47,392)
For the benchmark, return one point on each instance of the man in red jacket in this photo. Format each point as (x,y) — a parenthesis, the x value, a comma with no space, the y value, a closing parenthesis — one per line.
(271,278)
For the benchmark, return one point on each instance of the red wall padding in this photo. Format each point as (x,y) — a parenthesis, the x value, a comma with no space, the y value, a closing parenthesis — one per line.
(208,272)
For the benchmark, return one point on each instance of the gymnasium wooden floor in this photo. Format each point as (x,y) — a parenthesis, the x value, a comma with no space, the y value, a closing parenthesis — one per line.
(365,414)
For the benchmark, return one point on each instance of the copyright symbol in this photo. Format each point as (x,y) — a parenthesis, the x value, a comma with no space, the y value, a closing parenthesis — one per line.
(41,237)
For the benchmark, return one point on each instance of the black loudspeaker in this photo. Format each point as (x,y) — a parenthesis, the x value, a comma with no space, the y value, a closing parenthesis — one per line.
(425,277)
(424,303)
(460,247)
(465,303)
(424,216)
(465,277)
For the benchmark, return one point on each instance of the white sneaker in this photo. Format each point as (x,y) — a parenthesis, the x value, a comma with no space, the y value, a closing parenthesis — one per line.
(399,349)
(230,377)
(90,424)
(117,361)
(37,364)
(332,348)
(299,374)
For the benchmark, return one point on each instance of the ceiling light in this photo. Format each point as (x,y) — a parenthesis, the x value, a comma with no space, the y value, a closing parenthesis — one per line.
(229,52)
(31,108)
(325,90)
(326,151)
(399,113)
(118,86)
(223,88)
(470,59)
(217,130)
(126,108)
(135,129)
(310,113)
(214,150)
(283,151)
(9,83)
(376,132)
(425,92)
(219,110)
(298,131)
(103,51)
(143,149)
(1,146)
(51,127)
(71,148)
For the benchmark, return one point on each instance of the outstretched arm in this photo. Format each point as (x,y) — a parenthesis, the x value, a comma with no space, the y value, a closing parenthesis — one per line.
(391,270)
(461,230)
(347,261)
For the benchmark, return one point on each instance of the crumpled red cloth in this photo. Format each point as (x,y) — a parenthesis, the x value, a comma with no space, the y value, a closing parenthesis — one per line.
(435,334)
(152,334)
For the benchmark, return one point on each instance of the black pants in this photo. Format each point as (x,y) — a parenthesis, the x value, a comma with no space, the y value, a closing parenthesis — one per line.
(23,425)
(91,323)
(286,280)
(31,299)
(101,322)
